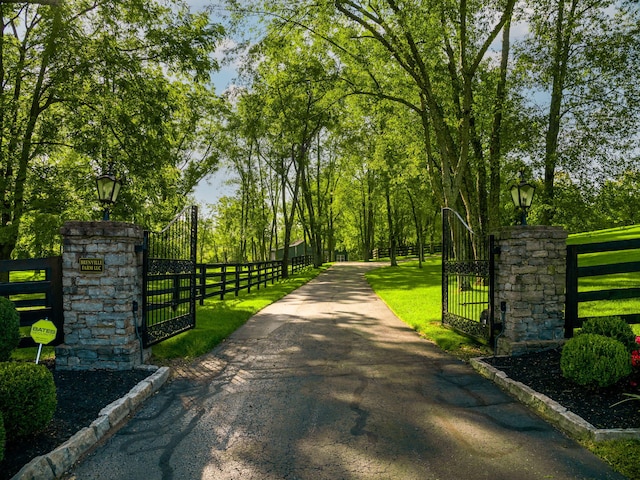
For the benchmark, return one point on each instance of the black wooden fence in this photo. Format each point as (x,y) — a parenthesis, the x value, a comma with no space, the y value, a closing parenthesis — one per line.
(221,279)
(406,251)
(574,273)
(35,287)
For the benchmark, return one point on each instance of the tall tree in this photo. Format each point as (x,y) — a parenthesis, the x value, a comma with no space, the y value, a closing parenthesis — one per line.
(99,78)
(583,55)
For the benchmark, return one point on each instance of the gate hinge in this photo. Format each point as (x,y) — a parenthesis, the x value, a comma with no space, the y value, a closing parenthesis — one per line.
(143,247)
(496,250)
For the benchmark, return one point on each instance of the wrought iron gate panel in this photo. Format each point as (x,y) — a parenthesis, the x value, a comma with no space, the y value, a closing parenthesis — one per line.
(467,279)
(169,278)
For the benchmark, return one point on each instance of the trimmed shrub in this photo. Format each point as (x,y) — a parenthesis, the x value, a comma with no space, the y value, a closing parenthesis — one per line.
(595,360)
(3,440)
(9,328)
(27,398)
(613,327)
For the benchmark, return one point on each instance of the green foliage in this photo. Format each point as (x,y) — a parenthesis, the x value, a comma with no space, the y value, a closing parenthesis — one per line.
(3,437)
(594,360)
(612,327)
(27,398)
(9,328)
(121,85)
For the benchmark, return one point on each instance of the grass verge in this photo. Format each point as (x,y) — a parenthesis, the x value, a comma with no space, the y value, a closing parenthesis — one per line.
(622,455)
(414,295)
(217,319)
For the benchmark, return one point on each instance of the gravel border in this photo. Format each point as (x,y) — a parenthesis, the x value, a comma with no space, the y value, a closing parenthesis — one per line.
(58,461)
(565,420)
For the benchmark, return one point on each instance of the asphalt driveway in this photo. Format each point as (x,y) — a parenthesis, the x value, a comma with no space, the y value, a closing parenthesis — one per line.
(328,384)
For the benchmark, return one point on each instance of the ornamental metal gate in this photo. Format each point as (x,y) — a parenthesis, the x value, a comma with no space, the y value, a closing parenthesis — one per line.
(169,278)
(467,279)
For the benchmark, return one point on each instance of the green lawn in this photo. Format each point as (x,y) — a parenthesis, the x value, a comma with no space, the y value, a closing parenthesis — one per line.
(414,295)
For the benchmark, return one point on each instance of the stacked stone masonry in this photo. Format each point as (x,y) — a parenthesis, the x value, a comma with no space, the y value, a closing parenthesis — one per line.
(530,280)
(100,324)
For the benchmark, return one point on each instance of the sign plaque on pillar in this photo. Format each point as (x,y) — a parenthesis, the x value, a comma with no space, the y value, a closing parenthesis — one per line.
(92,265)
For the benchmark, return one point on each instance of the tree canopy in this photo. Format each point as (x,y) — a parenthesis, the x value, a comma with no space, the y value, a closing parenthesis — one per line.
(88,87)
(352,123)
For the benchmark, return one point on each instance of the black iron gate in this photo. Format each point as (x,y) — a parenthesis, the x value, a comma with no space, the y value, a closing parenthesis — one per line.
(467,279)
(169,278)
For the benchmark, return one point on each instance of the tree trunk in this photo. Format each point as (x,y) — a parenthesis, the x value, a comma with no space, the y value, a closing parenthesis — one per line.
(560,60)
(496,138)
(390,223)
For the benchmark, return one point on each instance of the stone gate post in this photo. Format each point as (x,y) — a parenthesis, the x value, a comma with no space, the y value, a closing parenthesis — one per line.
(530,288)
(102,282)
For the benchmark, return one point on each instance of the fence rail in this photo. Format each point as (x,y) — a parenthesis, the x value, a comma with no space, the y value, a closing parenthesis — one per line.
(221,279)
(35,285)
(574,273)
(406,251)
(35,288)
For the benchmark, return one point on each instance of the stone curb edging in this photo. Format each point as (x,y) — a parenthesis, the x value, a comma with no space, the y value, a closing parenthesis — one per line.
(567,421)
(55,463)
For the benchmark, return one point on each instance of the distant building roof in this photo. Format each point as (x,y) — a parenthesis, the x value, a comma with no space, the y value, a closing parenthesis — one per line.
(294,244)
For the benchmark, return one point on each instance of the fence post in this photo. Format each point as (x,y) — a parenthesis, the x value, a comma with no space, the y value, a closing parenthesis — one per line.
(57,305)
(203,282)
(223,280)
(238,267)
(571,308)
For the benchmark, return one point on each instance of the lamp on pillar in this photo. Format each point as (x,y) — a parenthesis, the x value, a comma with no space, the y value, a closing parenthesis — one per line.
(522,196)
(108,188)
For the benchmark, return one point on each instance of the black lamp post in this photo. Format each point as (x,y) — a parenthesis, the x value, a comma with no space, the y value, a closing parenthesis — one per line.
(108,188)
(522,196)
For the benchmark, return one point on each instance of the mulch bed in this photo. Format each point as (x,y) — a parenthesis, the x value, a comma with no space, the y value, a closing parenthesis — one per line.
(81,396)
(541,371)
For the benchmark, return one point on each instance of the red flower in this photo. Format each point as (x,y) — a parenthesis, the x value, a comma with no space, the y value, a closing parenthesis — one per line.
(635,355)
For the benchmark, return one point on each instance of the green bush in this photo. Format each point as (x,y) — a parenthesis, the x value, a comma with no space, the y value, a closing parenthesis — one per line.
(27,398)
(9,328)
(3,439)
(613,327)
(595,360)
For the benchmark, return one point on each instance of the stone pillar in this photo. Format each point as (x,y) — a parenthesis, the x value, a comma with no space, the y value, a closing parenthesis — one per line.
(530,283)
(101,280)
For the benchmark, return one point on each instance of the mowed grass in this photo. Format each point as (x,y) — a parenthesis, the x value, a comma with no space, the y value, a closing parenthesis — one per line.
(217,319)
(414,295)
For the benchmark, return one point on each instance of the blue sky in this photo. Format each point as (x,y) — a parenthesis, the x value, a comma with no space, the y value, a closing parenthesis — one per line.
(211,188)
